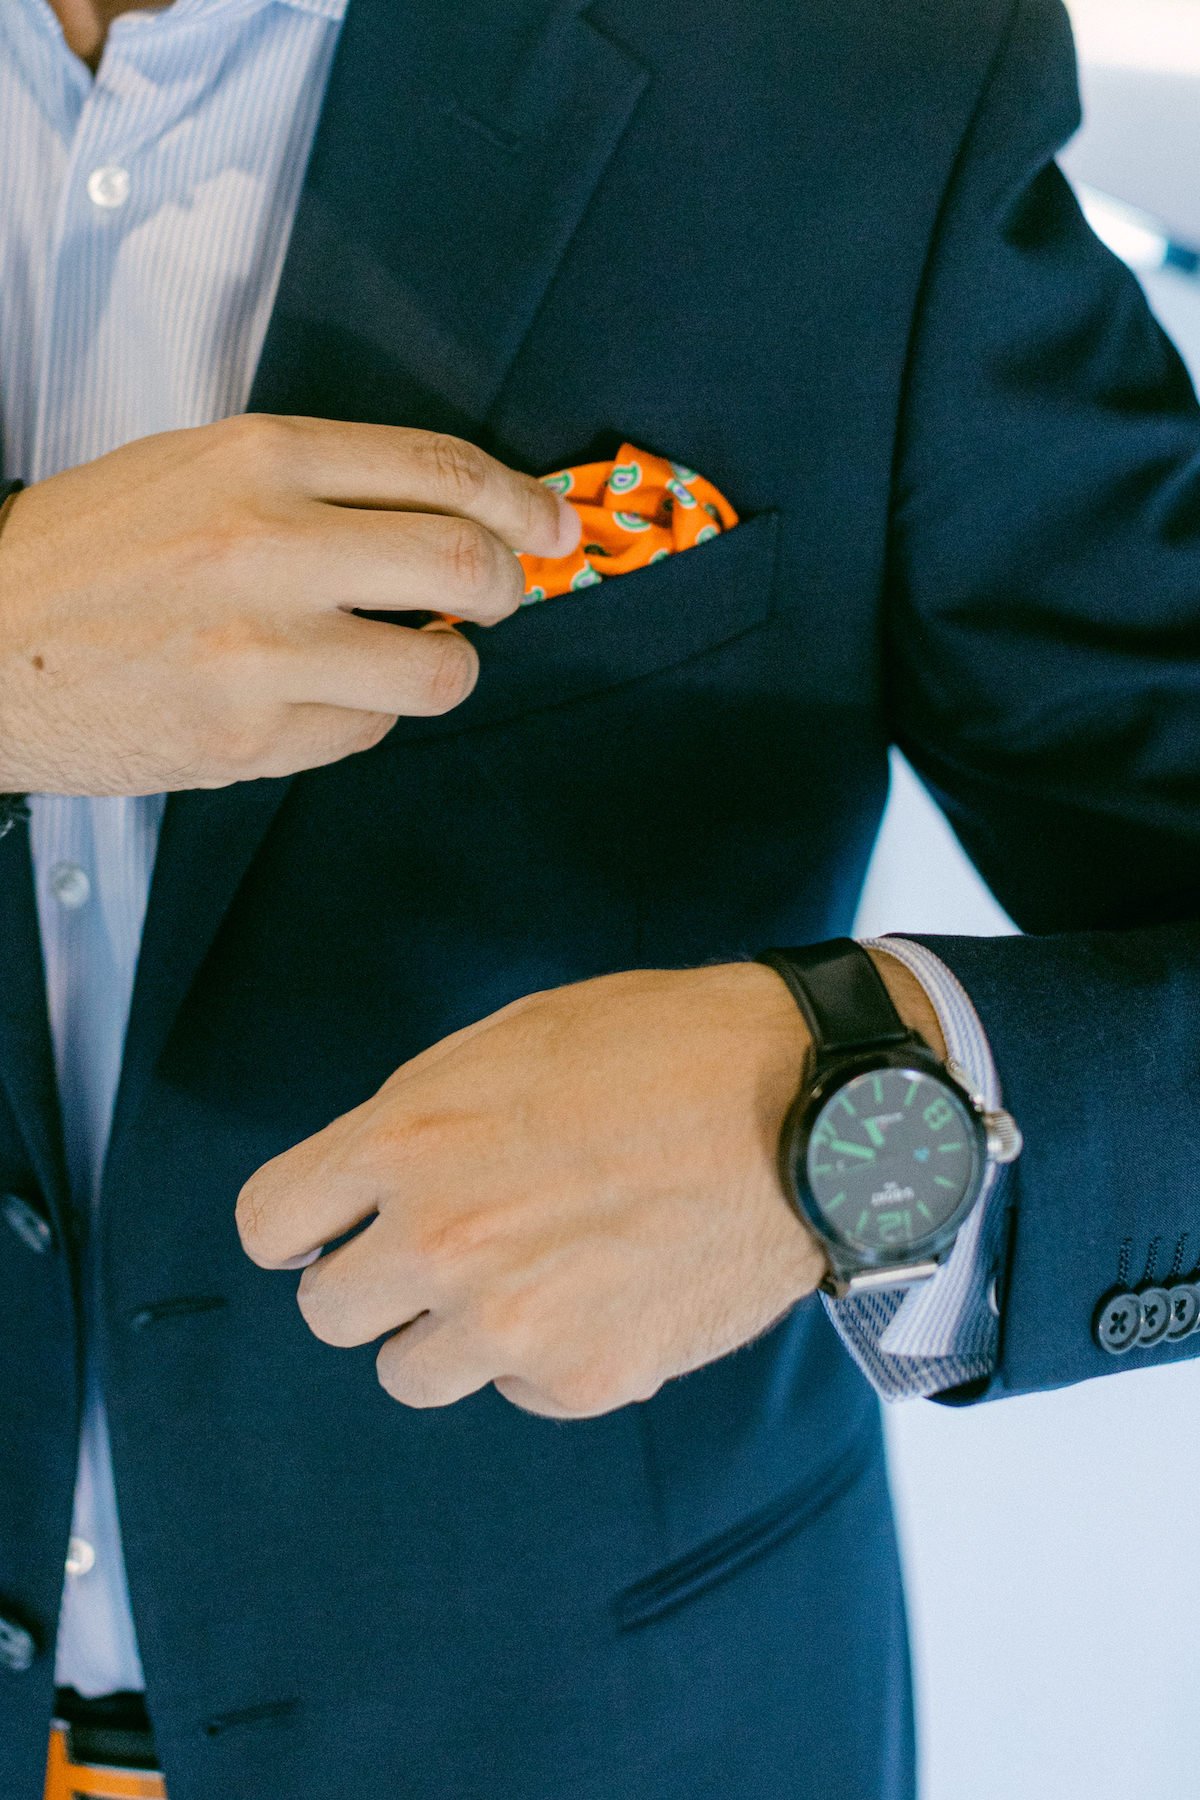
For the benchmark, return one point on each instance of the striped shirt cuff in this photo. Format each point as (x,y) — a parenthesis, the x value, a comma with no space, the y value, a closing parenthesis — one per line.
(923,1340)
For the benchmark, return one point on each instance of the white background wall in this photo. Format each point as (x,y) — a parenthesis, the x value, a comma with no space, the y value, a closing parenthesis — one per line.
(1053,1542)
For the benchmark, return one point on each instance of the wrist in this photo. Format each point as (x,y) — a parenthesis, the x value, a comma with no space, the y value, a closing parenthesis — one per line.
(782,1050)
(910,999)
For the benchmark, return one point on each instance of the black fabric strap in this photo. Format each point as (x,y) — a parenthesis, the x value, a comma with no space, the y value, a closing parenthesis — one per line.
(842,995)
(13,807)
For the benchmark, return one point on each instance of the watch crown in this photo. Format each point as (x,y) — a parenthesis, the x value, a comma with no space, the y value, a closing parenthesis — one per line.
(1004,1138)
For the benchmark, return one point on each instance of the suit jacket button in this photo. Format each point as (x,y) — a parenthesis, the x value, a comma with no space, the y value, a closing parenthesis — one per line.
(1185,1310)
(28,1221)
(18,1651)
(1156,1316)
(1118,1322)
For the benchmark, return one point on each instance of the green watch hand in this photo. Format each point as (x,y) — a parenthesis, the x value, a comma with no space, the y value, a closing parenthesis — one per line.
(852,1149)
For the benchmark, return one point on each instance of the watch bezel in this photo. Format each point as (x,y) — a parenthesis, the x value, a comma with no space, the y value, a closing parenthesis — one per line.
(829,1078)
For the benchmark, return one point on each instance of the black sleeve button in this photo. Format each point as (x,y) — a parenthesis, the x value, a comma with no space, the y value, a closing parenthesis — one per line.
(1156,1316)
(28,1221)
(1185,1310)
(1118,1322)
(18,1652)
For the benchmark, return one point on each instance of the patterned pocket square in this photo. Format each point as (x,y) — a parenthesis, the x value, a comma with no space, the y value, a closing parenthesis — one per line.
(635,511)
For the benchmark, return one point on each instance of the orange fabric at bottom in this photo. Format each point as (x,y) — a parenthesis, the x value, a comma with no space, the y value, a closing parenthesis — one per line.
(66,1780)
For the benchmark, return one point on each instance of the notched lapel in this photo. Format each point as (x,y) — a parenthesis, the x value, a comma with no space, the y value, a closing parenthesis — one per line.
(26,1051)
(208,842)
(458,150)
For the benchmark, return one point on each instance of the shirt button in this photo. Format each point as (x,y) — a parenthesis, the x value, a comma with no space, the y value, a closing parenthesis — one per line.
(17,1648)
(31,1226)
(70,886)
(81,1558)
(108,187)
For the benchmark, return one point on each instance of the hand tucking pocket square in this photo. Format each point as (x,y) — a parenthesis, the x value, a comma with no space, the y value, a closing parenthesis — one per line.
(635,512)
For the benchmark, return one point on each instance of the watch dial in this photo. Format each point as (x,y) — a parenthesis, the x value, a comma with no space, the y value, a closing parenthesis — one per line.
(891,1159)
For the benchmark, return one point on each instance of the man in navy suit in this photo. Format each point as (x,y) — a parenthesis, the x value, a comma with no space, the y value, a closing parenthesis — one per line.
(824,256)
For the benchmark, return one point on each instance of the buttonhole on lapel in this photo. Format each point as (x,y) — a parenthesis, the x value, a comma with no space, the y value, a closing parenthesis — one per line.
(178,1308)
(265,1714)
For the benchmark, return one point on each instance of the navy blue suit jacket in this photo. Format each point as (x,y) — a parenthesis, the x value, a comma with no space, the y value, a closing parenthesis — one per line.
(821,253)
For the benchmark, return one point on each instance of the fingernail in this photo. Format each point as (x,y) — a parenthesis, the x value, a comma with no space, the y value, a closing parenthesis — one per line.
(303,1262)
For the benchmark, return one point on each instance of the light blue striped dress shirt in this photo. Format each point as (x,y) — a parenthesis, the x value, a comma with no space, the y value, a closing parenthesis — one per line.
(143,225)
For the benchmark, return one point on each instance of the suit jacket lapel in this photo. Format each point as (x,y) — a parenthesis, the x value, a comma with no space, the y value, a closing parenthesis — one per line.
(458,149)
(26,1053)
(456,152)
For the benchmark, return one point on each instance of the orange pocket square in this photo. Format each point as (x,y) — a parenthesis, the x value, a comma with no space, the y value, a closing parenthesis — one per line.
(635,511)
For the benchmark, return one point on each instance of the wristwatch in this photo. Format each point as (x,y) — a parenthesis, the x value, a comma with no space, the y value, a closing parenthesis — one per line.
(885,1152)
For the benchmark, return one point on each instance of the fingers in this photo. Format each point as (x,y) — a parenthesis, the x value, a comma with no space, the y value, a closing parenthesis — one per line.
(380,668)
(528,1398)
(413,562)
(431,1363)
(364,1288)
(303,1199)
(426,471)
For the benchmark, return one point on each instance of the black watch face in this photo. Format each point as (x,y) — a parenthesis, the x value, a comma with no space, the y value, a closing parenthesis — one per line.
(891,1159)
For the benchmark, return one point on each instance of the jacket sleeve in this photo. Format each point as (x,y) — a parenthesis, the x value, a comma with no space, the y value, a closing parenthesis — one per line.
(1043,669)
(1043,603)
(1097,1040)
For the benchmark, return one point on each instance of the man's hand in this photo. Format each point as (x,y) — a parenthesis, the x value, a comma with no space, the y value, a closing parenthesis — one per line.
(576,1199)
(179,613)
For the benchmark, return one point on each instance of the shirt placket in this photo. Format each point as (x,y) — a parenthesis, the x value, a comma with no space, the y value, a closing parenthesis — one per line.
(74,421)
(120,115)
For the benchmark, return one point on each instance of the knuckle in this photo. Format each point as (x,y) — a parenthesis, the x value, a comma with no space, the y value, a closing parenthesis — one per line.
(460,468)
(451,671)
(542,517)
(322,1310)
(589,1390)
(233,552)
(451,1240)
(469,557)
(240,747)
(398,1382)
(252,1219)
(373,730)
(403,1375)
(264,441)
(507,591)
(237,643)
(508,1323)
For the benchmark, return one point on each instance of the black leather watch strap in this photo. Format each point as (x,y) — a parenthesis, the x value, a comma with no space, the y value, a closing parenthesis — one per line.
(842,996)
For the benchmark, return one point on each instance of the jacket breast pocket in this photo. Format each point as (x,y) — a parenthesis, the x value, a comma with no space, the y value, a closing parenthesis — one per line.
(618,631)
